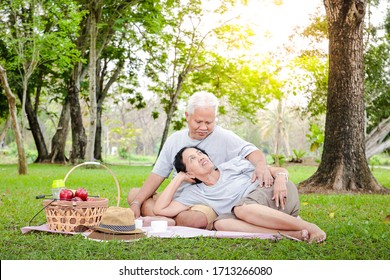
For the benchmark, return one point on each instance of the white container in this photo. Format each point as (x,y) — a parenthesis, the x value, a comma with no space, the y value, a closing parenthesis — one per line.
(138,223)
(159,226)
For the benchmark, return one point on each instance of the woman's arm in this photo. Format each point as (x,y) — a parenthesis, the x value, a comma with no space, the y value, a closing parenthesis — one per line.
(167,207)
(280,185)
(278,171)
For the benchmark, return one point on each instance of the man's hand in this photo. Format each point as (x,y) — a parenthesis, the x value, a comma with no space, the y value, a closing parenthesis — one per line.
(264,176)
(136,207)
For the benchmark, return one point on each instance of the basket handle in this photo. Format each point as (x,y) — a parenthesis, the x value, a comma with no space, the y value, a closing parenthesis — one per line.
(102,165)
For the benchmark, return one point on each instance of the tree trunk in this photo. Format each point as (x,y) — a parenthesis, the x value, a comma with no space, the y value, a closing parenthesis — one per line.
(166,127)
(375,141)
(278,132)
(22,161)
(101,94)
(92,82)
(172,108)
(98,137)
(344,166)
(35,128)
(79,138)
(58,142)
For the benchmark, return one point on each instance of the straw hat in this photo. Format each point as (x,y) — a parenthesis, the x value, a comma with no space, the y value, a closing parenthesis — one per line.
(117,223)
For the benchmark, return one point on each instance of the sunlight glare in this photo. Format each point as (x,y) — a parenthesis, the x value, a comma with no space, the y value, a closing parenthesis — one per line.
(273,24)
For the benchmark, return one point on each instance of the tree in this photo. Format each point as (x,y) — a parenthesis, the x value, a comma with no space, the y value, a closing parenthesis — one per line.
(94,14)
(30,32)
(276,124)
(376,81)
(22,161)
(119,51)
(102,91)
(344,166)
(174,55)
(108,26)
(184,59)
(58,142)
(25,41)
(377,87)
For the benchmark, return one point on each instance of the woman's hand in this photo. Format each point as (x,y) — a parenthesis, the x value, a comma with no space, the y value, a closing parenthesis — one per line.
(183,177)
(280,191)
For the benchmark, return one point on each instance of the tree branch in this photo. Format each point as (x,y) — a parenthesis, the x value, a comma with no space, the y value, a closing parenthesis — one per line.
(359,8)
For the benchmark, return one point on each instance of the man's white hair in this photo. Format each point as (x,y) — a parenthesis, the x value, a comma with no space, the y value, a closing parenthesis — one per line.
(202,99)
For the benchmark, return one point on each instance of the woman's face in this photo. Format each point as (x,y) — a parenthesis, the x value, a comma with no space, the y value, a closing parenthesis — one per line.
(196,162)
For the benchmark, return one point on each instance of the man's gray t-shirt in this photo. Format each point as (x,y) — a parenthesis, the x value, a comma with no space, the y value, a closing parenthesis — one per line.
(221,145)
(233,184)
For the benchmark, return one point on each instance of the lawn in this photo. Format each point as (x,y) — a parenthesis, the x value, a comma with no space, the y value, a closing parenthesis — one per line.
(357,226)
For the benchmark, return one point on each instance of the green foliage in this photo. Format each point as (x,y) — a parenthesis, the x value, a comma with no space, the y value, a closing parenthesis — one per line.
(279,159)
(316,138)
(31,154)
(376,59)
(377,75)
(379,160)
(317,29)
(298,156)
(356,225)
(178,124)
(125,136)
(181,60)
(32,31)
(246,87)
(3,104)
(314,85)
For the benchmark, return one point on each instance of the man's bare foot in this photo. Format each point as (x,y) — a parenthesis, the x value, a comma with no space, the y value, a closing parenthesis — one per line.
(298,235)
(316,234)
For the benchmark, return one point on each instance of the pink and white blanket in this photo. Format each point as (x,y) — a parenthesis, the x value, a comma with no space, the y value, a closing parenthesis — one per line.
(172,232)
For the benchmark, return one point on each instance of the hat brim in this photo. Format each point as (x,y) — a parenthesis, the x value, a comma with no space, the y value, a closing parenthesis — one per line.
(103,236)
(107,230)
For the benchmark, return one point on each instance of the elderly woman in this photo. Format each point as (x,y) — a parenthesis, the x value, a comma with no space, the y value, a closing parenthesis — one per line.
(241,203)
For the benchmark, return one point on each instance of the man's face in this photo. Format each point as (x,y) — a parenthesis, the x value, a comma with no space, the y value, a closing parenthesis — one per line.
(201,123)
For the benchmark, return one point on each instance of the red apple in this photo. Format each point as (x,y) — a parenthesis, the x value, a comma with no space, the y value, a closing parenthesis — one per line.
(82,193)
(76,198)
(66,195)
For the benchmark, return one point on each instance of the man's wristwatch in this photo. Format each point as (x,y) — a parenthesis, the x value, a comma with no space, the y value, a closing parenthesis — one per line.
(135,202)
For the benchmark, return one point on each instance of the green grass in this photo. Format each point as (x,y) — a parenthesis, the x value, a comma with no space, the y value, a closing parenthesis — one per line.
(356,225)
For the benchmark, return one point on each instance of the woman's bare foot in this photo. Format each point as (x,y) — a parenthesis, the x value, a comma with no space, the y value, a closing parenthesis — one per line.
(316,234)
(299,235)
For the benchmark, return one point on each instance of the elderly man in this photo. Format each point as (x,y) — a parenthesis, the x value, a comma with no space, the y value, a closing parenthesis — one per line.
(221,145)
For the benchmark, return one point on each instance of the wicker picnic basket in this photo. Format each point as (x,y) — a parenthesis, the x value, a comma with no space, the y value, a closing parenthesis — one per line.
(70,216)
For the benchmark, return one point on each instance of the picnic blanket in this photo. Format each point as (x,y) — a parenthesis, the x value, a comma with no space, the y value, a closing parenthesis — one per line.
(172,232)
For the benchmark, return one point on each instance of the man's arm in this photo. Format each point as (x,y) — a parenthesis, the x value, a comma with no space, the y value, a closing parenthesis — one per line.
(262,173)
(149,187)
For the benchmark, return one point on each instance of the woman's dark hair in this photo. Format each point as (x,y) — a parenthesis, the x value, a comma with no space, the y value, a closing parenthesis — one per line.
(179,164)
